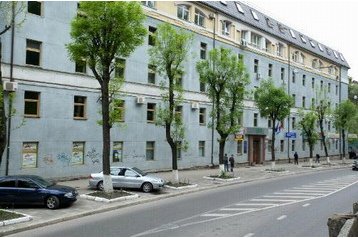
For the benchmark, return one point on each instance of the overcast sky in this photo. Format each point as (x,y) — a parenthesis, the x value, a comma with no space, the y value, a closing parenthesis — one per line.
(331,22)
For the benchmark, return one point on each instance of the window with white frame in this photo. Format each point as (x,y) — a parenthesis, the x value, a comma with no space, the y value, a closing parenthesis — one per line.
(255,40)
(199,18)
(201,148)
(183,12)
(226,27)
(150,4)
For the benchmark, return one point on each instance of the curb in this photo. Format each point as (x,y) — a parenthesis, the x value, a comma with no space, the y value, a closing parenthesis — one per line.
(221,180)
(105,200)
(182,187)
(16,220)
(145,200)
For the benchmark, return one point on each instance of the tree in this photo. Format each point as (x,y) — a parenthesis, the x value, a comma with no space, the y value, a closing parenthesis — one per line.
(307,125)
(101,33)
(226,78)
(345,117)
(168,55)
(322,109)
(353,91)
(273,103)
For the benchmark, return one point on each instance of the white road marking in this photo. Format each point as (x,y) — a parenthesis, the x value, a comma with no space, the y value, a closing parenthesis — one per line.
(237,209)
(307,190)
(249,235)
(289,196)
(272,200)
(215,215)
(256,204)
(314,188)
(281,217)
(292,193)
(306,205)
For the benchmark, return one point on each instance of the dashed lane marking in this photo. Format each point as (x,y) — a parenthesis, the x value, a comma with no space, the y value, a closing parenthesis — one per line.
(281,217)
(215,215)
(256,204)
(306,205)
(272,200)
(237,209)
(288,196)
(300,193)
(249,235)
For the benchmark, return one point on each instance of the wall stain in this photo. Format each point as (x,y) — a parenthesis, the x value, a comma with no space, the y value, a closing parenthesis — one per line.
(48,159)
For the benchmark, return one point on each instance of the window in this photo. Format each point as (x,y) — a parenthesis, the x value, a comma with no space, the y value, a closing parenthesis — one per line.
(303,39)
(304,102)
(226,26)
(34,7)
(241,57)
(203,48)
(312,82)
(179,149)
(151,74)
(298,57)
(270,70)
(120,68)
(329,87)
(255,119)
(119,110)
(201,148)
(202,116)
(33,52)
(336,144)
(32,104)
(320,47)
(256,40)
(202,87)
(150,112)
(280,48)
(79,109)
(303,80)
(199,18)
(7,183)
(315,64)
(292,34)
(183,12)
(80,66)
(151,38)
(336,89)
(150,4)
(269,146)
(293,145)
(24,183)
(239,8)
(282,145)
(294,99)
(256,66)
(321,84)
(313,101)
(239,147)
(179,112)
(329,126)
(293,123)
(117,151)
(150,149)
(312,44)
(29,154)
(78,153)
(269,123)
(282,73)
(293,77)
(255,15)
(223,3)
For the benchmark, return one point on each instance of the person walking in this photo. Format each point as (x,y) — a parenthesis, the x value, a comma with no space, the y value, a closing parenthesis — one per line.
(226,163)
(296,157)
(232,163)
(317,158)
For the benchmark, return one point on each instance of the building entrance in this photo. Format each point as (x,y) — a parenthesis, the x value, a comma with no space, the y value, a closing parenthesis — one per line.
(256,149)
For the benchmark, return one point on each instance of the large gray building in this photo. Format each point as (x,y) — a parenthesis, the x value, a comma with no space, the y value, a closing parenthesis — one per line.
(54,130)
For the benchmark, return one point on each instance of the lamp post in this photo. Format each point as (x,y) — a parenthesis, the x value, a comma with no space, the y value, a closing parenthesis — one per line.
(212,17)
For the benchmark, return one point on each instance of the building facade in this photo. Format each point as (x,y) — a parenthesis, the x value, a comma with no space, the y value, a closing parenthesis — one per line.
(54,130)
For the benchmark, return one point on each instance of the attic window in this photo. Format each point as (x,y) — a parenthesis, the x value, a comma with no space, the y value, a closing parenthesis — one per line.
(239,8)
(303,39)
(269,22)
(292,34)
(281,28)
(341,56)
(328,51)
(255,15)
(223,2)
(312,44)
(320,47)
(335,54)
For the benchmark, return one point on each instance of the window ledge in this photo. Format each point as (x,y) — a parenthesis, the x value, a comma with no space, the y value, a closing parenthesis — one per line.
(80,118)
(32,116)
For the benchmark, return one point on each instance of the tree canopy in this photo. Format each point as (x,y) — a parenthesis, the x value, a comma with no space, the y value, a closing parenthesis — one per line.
(307,125)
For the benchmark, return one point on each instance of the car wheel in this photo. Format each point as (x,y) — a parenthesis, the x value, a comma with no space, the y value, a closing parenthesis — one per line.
(52,202)
(147,187)
(100,186)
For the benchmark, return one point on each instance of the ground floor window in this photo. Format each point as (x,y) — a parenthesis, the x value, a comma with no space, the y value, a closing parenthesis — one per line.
(202,148)
(239,147)
(282,145)
(269,145)
(29,154)
(150,150)
(118,151)
(78,153)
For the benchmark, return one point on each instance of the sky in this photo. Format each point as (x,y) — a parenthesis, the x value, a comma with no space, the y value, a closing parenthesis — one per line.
(331,22)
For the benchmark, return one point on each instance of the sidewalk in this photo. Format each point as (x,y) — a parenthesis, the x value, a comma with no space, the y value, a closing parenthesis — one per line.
(82,207)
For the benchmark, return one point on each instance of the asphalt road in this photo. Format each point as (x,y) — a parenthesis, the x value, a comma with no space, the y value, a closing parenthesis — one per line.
(296,205)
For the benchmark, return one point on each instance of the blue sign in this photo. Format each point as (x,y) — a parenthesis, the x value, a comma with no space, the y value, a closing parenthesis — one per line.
(291,134)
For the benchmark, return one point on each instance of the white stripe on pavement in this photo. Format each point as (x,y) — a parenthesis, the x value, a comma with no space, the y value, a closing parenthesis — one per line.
(282,196)
(215,215)
(249,235)
(272,200)
(292,193)
(281,217)
(306,205)
(237,209)
(256,204)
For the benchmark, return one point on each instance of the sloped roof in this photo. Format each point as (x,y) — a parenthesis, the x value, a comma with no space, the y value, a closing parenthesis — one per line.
(276,28)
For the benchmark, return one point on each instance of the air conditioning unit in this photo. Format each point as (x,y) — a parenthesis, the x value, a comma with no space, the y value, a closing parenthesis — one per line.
(194,105)
(9,86)
(258,76)
(140,99)
(244,42)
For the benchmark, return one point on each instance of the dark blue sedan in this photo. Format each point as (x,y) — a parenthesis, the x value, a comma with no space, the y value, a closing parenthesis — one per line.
(34,190)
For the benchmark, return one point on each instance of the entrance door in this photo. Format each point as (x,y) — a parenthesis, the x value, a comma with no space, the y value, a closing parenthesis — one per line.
(256,151)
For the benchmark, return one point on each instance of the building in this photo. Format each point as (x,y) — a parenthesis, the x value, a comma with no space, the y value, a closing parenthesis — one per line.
(55,133)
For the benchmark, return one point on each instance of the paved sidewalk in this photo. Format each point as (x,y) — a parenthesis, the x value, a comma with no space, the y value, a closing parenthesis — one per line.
(82,207)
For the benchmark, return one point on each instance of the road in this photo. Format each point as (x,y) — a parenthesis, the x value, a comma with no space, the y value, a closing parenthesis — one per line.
(297,205)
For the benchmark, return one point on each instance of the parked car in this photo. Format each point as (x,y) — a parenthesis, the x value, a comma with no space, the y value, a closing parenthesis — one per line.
(355,165)
(34,190)
(126,177)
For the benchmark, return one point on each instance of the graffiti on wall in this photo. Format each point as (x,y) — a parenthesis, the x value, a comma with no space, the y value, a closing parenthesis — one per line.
(48,159)
(64,158)
(93,155)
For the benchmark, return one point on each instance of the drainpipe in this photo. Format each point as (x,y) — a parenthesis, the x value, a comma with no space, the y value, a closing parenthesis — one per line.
(288,92)
(339,100)
(212,17)
(11,80)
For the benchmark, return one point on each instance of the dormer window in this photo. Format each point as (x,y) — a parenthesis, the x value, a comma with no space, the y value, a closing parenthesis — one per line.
(255,15)
(341,56)
(335,54)
(320,47)
(183,12)
(328,51)
(150,4)
(239,8)
(292,34)
(303,39)
(298,57)
(226,27)
(223,3)
(199,18)
(312,44)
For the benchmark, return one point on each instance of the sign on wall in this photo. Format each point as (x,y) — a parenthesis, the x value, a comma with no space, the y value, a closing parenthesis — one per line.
(78,153)
(29,154)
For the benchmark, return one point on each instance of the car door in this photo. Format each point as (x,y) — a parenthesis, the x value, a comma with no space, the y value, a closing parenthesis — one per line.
(115,179)
(28,192)
(8,191)
(132,179)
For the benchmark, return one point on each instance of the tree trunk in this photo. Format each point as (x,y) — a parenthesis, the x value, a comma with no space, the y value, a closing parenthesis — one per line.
(273,138)
(2,116)
(107,179)
(173,147)
(323,136)
(311,151)
(344,144)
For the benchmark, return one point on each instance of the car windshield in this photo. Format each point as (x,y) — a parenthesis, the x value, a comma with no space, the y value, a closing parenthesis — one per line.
(43,182)
(139,171)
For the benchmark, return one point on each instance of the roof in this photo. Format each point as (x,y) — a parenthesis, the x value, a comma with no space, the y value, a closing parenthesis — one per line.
(276,28)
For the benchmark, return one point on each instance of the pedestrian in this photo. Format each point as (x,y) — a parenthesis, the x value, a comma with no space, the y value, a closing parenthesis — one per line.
(317,158)
(232,163)
(296,157)
(226,163)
